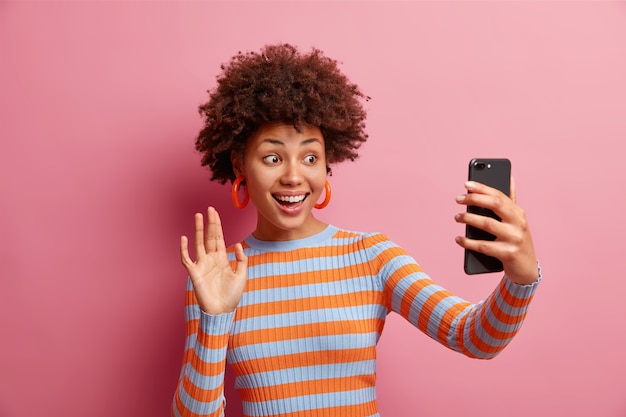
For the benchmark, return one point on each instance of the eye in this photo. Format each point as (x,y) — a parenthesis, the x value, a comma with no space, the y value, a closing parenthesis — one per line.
(271,159)
(310,159)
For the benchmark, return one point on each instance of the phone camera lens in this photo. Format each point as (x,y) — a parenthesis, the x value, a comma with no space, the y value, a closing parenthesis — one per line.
(479,165)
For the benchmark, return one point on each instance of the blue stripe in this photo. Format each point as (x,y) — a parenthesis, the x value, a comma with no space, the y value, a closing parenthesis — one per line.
(209,355)
(466,341)
(482,336)
(322,315)
(404,284)
(192,312)
(440,309)
(349,286)
(294,266)
(418,302)
(306,373)
(305,402)
(302,345)
(197,406)
(499,325)
(189,286)
(290,265)
(451,339)
(203,381)
(507,308)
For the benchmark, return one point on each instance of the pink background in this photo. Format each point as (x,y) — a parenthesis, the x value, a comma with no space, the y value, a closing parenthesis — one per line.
(99,179)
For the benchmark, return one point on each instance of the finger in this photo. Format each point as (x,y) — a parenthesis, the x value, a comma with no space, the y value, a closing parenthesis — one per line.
(242,260)
(480,188)
(486,247)
(211,230)
(488,224)
(199,236)
(184,252)
(219,233)
(513,195)
(497,202)
(488,201)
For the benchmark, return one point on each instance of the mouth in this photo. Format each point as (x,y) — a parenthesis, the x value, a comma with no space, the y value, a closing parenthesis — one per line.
(290,201)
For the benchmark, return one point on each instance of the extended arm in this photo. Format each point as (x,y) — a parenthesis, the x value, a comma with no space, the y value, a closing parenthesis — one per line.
(479,330)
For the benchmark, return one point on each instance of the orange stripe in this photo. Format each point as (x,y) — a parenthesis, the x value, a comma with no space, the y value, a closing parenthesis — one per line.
(207,340)
(411,292)
(512,300)
(342,234)
(502,316)
(492,331)
(184,411)
(192,326)
(212,341)
(365,409)
(397,276)
(489,329)
(190,297)
(308,303)
(481,344)
(428,307)
(460,339)
(309,253)
(390,253)
(309,277)
(202,367)
(447,318)
(318,386)
(297,360)
(310,330)
(200,394)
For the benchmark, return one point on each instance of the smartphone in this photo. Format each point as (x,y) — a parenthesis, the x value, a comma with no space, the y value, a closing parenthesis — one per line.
(495,173)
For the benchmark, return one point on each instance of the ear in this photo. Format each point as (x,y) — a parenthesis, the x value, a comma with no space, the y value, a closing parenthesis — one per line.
(236,160)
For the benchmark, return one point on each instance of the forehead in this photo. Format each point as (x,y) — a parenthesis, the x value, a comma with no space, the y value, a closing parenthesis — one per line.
(283,134)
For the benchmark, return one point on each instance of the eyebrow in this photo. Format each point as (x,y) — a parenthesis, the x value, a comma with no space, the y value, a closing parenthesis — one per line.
(303,143)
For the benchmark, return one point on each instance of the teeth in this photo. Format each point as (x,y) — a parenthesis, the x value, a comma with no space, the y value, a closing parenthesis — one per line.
(291,199)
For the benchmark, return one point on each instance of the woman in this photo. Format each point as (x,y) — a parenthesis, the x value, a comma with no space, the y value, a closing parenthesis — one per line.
(298,307)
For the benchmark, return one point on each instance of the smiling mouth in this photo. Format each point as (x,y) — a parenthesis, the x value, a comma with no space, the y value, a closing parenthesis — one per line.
(290,200)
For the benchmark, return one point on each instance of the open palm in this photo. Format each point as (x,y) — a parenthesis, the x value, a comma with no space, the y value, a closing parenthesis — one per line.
(217,286)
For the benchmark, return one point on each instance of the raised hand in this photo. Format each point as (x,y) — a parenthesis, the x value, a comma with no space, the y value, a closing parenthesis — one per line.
(217,286)
(514,244)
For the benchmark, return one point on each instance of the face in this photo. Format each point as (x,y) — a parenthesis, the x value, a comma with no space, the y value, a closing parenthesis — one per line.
(285,172)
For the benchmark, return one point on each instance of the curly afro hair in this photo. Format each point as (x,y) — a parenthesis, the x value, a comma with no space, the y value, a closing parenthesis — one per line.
(279,84)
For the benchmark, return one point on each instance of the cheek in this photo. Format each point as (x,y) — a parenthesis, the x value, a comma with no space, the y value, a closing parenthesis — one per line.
(320,183)
(321,177)
(258,184)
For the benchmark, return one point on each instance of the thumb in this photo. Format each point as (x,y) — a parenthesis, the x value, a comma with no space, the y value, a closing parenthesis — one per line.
(242,260)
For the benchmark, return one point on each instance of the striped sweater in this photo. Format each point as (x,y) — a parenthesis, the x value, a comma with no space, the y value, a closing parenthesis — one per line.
(302,340)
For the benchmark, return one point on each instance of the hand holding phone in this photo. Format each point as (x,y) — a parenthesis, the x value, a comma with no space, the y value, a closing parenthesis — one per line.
(491,187)
(495,173)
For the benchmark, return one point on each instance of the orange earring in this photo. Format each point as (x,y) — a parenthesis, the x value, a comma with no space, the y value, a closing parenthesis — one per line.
(234,193)
(326,199)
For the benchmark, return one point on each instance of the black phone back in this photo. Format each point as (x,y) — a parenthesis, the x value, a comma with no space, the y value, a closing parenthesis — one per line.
(496,173)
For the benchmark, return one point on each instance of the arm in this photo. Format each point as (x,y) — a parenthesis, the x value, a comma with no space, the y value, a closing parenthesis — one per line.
(201,384)
(214,290)
(478,330)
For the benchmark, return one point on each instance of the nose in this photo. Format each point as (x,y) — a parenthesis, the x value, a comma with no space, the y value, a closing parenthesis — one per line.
(292,174)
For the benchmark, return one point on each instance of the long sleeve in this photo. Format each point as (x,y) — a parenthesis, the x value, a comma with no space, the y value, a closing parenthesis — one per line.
(200,389)
(478,330)
(302,342)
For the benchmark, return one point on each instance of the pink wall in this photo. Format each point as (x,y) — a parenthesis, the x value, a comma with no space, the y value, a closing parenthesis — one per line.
(99,178)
